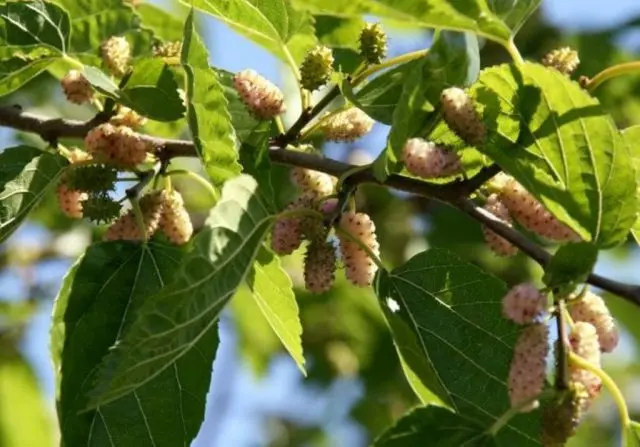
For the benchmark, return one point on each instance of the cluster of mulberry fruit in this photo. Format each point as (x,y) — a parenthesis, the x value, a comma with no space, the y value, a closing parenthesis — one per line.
(355,230)
(593,331)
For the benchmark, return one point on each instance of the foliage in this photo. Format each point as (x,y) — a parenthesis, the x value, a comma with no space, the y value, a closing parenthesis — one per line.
(137,321)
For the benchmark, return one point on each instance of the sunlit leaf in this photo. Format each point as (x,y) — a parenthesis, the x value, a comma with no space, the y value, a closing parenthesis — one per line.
(170,324)
(164,25)
(100,297)
(633,434)
(20,64)
(468,15)
(632,137)
(446,320)
(275,24)
(273,291)
(207,110)
(439,425)
(569,153)
(514,13)
(570,265)
(26,175)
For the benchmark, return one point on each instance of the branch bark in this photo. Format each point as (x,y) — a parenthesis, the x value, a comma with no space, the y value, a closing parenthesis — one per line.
(454,193)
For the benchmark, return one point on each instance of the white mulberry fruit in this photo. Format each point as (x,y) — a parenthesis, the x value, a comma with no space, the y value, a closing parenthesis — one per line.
(591,308)
(76,87)
(460,115)
(428,160)
(70,201)
(262,97)
(528,367)
(319,267)
(347,125)
(360,268)
(174,221)
(497,243)
(524,303)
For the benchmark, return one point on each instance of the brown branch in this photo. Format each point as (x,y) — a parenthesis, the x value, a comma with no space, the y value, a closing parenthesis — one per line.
(454,193)
(629,291)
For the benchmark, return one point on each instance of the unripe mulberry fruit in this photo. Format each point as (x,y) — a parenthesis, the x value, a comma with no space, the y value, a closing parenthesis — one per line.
(128,117)
(459,113)
(428,160)
(565,60)
(348,125)
(126,227)
(76,87)
(373,43)
(168,49)
(312,183)
(497,243)
(117,144)
(584,343)
(528,367)
(360,268)
(532,215)
(524,303)
(591,308)
(175,222)
(99,207)
(70,201)
(316,68)
(116,54)
(262,97)
(319,267)
(561,416)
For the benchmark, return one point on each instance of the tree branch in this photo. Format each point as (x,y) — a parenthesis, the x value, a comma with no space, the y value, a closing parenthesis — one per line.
(541,256)
(454,193)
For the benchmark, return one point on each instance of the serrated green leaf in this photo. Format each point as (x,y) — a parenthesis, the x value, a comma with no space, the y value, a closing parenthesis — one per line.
(153,92)
(633,434)
(467,15)
(26,175)
(632,137)
(570,265)
(446,319)
(453,59)
(207,110)
(36,22)
(163,24)
(273,24)
(20,64)
(24,416)
(94,21)
(100,297)
(169,325)
(102,82)
(439,425)
(569,153)
(273,291)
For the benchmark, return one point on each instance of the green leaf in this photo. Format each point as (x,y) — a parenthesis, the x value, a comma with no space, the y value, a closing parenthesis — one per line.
(633,434)
(100,297)
(257,342)
(94,21)
(170,324)
(163,24)
(36,22)
(26,175)
(466,15)
(153,92)
(24,416)
(207,110)
(569,153)
(273,291)
(514,13)
(342,35)
(446,319)
(20,64)
(570,265)
(439,425)
(452,60)
(273,24)
(632,137)
(379,97)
